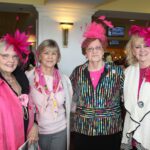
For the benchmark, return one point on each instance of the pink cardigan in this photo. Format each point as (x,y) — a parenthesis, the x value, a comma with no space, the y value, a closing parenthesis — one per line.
(11,119)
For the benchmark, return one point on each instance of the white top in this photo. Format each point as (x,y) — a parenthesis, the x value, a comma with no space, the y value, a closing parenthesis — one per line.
(137,119)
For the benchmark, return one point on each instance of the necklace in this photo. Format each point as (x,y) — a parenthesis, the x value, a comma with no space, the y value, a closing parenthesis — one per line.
(8,78)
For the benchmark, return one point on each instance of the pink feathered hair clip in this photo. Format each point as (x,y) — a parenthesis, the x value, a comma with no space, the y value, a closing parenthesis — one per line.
(20,44)
(137,30)
(147,37)
(143,32)
(97,30)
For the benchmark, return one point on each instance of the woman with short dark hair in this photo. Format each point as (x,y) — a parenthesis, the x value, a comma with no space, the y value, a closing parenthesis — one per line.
(97,93)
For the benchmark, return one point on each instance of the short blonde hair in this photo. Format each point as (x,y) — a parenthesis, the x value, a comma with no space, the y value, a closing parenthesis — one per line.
(131,59)
(50,44)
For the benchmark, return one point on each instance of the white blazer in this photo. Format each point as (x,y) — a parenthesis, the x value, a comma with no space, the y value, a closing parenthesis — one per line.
(137,119)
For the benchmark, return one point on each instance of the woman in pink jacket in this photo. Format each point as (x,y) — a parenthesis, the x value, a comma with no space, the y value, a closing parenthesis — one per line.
(16,112)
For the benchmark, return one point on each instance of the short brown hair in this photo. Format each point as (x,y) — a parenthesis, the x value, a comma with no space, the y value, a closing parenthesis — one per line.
(87,41)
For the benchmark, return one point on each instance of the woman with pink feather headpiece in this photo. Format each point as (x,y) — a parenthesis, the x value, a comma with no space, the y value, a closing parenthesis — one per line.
(97,92)
(136,132)
(16,110)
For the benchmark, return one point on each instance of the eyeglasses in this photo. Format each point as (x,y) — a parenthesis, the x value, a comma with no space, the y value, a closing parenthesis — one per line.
(8,57)
(91,49)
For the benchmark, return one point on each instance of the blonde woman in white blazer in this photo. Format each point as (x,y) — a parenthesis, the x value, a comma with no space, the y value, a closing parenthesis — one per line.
(136,133)
(51,92)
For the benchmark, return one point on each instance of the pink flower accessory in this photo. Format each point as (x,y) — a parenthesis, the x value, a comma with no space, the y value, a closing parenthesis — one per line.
(143,32)
(24,99)
(97,30)
(20,43)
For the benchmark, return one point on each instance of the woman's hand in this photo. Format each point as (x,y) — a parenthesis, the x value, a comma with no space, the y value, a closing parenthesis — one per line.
(33,134)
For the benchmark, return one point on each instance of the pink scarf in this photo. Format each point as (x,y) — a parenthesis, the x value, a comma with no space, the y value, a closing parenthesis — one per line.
(41,86)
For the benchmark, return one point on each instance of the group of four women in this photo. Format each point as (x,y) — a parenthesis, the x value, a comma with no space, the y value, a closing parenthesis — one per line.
(37,106)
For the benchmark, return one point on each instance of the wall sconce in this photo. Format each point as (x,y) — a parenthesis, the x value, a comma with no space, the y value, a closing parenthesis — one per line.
(32,39)
(65,26)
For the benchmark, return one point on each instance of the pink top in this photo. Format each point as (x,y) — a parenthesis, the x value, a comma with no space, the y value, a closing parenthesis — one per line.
(95,76)
(142,75)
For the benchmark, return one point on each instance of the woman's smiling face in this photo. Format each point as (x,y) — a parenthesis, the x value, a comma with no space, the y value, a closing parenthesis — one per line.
(8,59)
(141,51)
(49,57)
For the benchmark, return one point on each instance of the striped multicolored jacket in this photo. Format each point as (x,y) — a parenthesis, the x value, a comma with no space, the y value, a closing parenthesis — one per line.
(98,112)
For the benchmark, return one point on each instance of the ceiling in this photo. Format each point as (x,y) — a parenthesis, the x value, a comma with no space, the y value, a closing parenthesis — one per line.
(88,4)
(61,3)
(32,2)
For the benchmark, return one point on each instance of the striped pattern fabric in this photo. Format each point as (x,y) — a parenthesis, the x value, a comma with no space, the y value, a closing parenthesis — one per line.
(98,111)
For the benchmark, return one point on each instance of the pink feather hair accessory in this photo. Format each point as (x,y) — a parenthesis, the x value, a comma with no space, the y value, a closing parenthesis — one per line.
(20,44)
(147,37)
(97,30)
(137,30)
(106,22)
(143,32)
